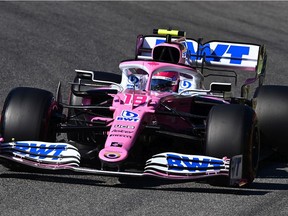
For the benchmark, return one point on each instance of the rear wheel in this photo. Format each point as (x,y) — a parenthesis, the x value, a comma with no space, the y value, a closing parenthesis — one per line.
(272,113)
(27,115)
(231,131)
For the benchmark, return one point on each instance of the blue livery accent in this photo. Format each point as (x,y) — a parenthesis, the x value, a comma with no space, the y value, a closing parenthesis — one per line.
(214,55)
(119,118)
(129,114)
(236,52)
(133,79)
(42,151)
(180,163)
(185,84)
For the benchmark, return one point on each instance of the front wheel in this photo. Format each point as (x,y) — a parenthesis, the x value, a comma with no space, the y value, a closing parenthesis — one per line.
(232,131)
(27,115)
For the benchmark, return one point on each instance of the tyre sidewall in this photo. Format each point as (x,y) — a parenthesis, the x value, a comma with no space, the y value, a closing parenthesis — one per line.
(232,130)
(26,115)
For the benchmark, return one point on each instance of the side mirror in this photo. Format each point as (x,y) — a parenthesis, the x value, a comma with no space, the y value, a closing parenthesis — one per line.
(220,87)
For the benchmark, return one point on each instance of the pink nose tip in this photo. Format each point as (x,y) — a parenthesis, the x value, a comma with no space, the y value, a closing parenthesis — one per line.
(113,154)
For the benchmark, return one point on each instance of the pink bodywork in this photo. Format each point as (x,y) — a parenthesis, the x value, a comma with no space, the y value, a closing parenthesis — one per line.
(133,109)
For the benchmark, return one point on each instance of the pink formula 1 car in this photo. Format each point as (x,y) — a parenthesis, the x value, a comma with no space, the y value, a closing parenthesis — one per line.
(156,119)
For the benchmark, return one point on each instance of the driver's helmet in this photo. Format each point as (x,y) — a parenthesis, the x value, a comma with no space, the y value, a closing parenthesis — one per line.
(165,81)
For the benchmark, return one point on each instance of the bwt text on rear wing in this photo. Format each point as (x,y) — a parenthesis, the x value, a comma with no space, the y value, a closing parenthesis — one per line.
(220,54)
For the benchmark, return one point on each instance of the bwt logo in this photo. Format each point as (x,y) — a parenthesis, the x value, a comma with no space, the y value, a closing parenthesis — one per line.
(235,51)
(128,116)
(41,151)
(133,79)
(185,84)
(180,163)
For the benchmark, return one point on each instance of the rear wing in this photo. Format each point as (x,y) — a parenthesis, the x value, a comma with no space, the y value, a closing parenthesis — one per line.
(219,54)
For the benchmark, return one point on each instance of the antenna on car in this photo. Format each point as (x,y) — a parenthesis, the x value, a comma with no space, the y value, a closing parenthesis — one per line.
(169,33)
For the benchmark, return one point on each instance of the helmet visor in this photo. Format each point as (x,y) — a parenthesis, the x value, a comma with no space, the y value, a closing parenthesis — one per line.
(161,85)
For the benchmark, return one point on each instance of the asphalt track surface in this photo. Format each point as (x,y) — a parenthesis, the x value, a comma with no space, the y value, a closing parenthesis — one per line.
(41,43)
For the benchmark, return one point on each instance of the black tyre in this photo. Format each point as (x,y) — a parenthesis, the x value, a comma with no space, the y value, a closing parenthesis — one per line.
(75,117)
(26,115)
(271,107)
(231,131)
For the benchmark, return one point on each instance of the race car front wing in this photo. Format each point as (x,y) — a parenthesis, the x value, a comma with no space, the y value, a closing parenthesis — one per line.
(181,166)
(168,165)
